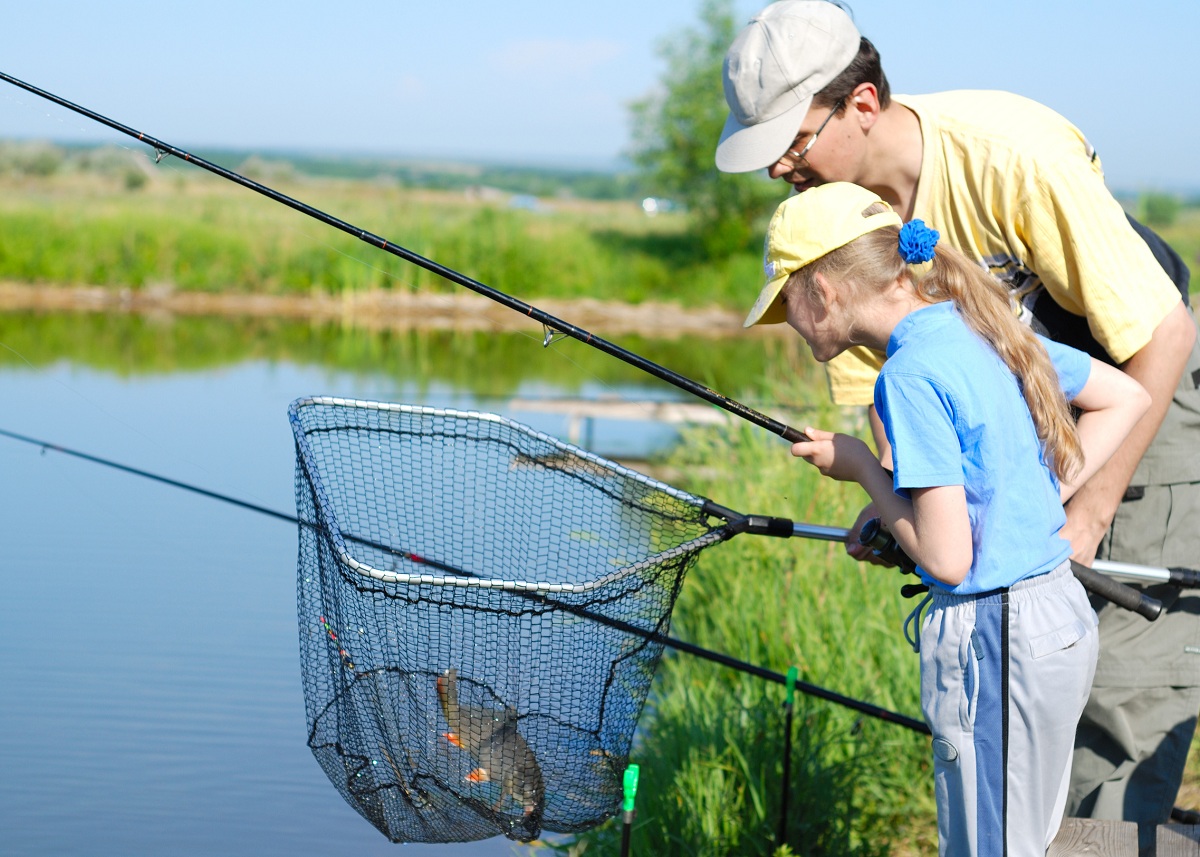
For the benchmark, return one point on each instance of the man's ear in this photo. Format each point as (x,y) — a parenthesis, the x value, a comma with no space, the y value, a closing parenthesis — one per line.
(864,105)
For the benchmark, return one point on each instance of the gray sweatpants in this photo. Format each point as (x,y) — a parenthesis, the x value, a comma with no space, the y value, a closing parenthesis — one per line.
(1004,677)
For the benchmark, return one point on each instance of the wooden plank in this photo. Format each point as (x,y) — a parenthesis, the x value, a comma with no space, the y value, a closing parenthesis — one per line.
(1179,840)
(1089,837)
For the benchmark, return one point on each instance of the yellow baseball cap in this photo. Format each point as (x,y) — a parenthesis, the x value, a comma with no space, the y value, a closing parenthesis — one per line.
(808,226)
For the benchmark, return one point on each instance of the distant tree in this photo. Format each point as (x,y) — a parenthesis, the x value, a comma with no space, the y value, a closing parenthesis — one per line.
(34,158)
(1158,209)
(134,179)
(675,132)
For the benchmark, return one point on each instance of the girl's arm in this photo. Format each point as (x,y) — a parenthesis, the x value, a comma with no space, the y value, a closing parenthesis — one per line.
(1112,403)
(933,528)
(881,439)
(941,533)
(855,548)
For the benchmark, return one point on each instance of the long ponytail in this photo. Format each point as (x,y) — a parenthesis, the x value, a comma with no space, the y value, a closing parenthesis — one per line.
(872,262)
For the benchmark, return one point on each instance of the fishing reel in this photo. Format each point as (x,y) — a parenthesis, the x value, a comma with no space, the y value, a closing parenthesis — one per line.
(884,545)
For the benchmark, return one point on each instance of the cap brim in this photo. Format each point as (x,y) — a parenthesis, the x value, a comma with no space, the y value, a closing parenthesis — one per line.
(768,309)
(745,148)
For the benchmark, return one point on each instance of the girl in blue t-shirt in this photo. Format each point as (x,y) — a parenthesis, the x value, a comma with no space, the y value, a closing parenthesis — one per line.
(984,450)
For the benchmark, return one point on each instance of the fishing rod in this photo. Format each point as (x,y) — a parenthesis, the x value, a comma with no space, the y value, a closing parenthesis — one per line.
(1112,590)
(1099,578)
(552,323)
(745,523)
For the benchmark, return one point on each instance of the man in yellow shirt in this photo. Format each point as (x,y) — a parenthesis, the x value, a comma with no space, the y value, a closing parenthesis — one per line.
(1017,187)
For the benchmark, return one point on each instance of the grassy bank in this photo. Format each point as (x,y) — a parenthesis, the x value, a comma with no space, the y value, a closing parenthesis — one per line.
(113,218)
(185,229)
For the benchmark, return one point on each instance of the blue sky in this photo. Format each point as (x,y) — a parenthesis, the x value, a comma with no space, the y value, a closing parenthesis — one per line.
(541,82)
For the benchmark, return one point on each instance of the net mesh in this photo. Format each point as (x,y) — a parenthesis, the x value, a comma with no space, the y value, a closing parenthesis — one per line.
(474,604)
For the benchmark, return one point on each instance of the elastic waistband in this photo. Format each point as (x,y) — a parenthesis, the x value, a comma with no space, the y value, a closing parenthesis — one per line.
(1023,590)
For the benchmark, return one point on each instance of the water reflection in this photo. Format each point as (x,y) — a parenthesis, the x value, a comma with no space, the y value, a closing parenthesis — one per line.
(150,665)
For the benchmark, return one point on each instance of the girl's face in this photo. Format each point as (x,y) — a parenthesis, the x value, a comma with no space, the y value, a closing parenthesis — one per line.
(824,328)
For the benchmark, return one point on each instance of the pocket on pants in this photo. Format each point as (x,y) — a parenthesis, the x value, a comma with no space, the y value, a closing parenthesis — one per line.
(949,675)
(971,656)
(1058,639)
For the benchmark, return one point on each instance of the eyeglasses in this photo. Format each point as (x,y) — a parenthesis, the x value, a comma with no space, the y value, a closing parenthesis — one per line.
(792,159)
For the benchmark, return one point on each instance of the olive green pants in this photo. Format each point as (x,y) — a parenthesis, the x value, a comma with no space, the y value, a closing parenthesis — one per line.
(1132,742)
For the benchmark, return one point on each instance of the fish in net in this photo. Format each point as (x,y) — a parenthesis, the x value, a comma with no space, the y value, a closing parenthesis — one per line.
(481,608)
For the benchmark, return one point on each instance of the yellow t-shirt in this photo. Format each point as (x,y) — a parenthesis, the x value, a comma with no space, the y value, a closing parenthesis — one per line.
(1017,187)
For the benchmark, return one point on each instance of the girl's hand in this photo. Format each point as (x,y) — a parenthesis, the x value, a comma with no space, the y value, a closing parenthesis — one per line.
(838,456)
(855,548)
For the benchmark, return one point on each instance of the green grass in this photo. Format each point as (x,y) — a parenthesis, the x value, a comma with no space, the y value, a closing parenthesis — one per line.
(79,218)
(1184,236)
(192,231)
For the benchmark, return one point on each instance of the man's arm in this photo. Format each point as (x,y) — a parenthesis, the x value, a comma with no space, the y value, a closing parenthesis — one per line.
(1157,367)
(1110,405)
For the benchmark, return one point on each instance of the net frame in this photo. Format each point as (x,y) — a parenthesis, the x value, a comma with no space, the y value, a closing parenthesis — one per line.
(328,520)
(375,715)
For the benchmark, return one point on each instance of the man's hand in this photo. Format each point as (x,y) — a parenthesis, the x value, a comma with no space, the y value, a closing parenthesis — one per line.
(1157,367)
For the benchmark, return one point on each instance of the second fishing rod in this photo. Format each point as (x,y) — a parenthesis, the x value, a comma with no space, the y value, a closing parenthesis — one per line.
(1120,594)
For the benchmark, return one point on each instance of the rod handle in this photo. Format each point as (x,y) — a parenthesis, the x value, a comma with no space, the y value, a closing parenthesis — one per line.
(792,435)
(1187,577)
(1116,592)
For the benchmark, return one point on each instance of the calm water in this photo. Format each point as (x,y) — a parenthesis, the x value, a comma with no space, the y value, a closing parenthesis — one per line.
(149,665)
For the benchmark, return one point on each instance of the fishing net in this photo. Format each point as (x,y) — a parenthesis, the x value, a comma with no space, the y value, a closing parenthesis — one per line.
(477,605)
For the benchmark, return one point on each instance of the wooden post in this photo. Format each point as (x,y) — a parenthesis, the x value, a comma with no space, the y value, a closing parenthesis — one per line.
(1178,840)
(1087,837)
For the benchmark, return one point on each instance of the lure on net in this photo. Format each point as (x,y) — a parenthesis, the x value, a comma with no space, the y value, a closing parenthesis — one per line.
(481,610)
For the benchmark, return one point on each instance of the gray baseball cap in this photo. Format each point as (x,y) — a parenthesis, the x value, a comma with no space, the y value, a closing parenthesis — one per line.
(789,52)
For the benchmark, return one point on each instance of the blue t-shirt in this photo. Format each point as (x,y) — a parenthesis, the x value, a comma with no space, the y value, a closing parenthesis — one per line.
(954,415)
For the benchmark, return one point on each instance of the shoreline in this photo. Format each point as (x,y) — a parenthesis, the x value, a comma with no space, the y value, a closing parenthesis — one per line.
(380,310)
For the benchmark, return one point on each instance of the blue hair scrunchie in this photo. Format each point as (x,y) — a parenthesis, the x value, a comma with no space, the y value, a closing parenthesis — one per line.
(917,242)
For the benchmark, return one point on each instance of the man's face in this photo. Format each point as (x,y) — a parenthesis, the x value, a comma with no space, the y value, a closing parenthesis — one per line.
(816,154)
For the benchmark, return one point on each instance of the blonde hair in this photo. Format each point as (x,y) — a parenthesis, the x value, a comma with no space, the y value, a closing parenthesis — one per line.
(872,262)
